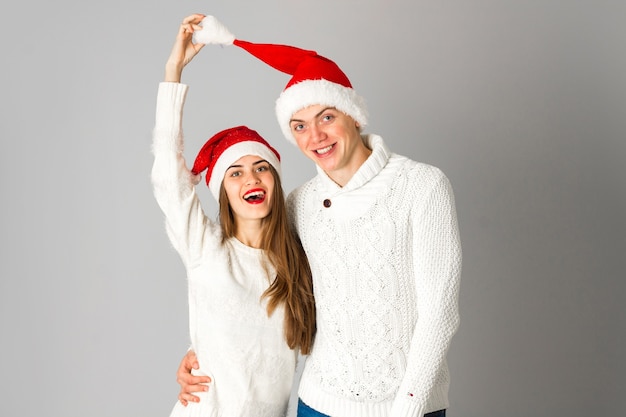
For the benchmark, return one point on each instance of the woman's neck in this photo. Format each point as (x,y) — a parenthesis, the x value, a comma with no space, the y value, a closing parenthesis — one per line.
(249,233)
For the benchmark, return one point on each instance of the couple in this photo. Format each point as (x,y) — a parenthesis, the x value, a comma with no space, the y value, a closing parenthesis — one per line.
(379,231)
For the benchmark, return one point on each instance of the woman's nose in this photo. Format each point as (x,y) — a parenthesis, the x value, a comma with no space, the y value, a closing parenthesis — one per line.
(252,178)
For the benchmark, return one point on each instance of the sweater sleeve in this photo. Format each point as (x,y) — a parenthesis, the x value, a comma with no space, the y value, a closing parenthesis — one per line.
(437,266)
(173,183)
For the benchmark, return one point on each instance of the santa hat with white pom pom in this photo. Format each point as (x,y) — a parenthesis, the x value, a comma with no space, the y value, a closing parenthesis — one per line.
(226,147)
(314,78)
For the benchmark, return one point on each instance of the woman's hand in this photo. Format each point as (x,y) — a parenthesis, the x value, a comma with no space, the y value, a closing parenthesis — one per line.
(189,383)
(184,49)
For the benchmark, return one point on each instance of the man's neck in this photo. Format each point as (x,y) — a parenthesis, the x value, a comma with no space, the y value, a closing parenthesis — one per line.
(343,176)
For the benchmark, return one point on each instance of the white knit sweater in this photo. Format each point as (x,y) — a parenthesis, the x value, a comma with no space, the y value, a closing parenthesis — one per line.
(237,344)
(386,261)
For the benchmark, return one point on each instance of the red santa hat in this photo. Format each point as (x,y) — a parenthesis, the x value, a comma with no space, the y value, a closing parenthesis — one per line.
(314,78)
(226,147)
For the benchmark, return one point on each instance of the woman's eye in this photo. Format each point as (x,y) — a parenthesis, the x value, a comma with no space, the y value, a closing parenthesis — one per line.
(262,168)
(235,174)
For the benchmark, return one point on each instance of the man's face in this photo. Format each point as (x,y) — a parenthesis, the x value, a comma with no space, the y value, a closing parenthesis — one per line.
(331,139)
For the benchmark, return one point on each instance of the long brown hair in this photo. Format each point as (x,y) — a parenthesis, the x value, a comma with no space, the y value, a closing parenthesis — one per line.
(293,285)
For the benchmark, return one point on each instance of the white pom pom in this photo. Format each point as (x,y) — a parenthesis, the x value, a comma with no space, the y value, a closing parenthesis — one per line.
(213,32)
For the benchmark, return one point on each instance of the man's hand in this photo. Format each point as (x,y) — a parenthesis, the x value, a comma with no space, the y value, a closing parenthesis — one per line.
(188,382)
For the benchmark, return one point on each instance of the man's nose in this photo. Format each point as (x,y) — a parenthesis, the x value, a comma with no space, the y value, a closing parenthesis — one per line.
(317,133)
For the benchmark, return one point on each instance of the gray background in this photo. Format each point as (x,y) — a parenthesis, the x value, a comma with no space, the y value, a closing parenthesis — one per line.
(521,103)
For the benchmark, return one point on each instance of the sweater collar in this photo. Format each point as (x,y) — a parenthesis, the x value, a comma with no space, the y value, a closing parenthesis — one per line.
(370,168)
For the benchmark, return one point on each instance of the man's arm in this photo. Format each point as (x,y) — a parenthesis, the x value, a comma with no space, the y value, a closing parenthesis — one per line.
(437,267)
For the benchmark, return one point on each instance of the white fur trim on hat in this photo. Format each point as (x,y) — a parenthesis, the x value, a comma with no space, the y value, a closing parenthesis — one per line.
(232,154)
(311,92)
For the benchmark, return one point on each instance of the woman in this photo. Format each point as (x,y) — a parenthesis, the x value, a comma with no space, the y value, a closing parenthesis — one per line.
(250,293)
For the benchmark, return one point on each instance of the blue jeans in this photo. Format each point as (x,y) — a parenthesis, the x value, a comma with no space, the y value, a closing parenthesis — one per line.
(306,411)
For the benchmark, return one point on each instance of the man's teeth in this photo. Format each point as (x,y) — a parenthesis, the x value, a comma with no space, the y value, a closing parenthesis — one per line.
(324,150)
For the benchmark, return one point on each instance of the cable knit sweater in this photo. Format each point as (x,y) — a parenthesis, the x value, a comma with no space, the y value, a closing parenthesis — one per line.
(386,262)
(237,344)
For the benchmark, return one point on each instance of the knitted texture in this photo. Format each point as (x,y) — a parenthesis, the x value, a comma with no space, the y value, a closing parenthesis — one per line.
(386,261)
(237,344)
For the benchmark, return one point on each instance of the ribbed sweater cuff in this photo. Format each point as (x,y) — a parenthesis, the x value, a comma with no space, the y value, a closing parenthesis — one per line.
(406,406)
(403,407)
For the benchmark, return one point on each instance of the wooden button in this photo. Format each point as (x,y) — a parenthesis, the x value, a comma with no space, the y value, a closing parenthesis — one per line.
(327,203)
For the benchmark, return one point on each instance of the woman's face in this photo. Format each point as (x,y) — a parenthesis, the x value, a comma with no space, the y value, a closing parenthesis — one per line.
(249,185)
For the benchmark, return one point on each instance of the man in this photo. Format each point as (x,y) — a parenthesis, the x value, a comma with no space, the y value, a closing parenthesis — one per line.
(381,235)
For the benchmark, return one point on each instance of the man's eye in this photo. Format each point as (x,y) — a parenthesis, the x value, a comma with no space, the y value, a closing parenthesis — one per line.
(298,127)
(328,117)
